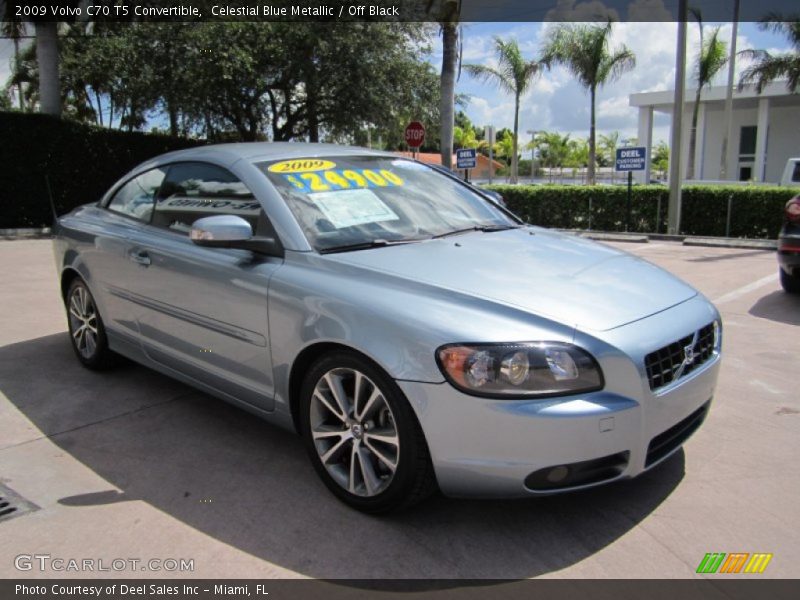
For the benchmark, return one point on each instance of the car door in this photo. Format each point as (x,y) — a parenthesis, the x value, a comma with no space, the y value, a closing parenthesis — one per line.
(203,311)
(112,261)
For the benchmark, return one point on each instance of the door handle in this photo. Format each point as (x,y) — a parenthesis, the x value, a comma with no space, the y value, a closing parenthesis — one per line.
(140,257)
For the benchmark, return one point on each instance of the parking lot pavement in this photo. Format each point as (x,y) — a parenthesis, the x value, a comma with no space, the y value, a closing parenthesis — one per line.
(129,464)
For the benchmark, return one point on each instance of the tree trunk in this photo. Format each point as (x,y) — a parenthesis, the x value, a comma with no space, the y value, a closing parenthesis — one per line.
(173,120)
(514,145)
(47,59)
(592,149)
(448,85)
(16,73)
(693,135)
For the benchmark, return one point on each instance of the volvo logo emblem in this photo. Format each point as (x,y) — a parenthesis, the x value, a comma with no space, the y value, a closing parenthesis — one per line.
(688,354)
(688,357)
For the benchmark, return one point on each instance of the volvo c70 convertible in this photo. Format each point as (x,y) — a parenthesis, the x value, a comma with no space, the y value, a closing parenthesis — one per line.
(417,335)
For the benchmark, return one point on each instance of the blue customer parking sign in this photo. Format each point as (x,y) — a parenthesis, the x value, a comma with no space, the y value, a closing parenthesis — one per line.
(631,159)
(466,158)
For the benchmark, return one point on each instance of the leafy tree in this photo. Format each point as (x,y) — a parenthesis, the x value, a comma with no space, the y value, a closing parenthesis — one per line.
(553,148)
(660,158)
(577,153)
(769,67)
(584,51)
(608,148)
(710,60)
(514,75)
(467,138)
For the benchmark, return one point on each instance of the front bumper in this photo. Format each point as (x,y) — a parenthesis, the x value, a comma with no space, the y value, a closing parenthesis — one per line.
(789,249)
(489,448)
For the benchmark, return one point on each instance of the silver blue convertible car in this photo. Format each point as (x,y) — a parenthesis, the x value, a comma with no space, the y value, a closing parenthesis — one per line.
(415,333)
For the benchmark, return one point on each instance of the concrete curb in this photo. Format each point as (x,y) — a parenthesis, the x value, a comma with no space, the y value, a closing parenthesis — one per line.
(703,241)
(25,233)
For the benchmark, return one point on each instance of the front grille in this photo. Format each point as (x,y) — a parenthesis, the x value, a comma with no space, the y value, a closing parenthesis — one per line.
(664,443)
(672,362)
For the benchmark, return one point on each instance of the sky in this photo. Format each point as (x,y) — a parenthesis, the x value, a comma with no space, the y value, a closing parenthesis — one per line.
(556,102)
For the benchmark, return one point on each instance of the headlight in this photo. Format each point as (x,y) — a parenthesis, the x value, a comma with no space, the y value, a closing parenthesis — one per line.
(521,370)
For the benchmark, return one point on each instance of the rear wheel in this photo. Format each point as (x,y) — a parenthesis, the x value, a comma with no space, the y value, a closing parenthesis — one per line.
(362,436)
(790,283)
(86,330)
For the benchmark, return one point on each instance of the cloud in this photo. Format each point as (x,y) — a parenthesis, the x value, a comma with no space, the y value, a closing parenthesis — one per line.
(569,10)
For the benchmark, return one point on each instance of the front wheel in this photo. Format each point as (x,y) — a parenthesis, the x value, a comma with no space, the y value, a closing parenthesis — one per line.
(362,436)
(86,330)
(790,283)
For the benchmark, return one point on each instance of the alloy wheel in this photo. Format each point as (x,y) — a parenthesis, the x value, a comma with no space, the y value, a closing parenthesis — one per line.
(354,432)
(83,321)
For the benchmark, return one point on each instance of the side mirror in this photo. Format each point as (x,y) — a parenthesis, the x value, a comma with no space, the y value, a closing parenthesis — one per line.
(230,231)
(220,231)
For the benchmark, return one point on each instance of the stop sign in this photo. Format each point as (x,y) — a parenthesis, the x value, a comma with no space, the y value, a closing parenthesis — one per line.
(415,134)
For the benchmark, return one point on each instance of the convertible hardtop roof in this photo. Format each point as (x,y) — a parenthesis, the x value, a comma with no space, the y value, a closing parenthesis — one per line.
(261,151)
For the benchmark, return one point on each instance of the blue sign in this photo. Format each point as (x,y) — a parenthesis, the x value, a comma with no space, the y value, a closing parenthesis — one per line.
(466,158)
(631,158)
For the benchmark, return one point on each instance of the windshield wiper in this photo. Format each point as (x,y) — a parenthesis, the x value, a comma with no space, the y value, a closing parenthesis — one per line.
(378,243)
(484,228)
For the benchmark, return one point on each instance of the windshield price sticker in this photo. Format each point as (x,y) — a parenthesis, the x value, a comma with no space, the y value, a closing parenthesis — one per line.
(301,165)
(343,179)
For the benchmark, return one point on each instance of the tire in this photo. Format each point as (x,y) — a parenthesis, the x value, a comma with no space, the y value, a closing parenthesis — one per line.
(86,330)
(790,283)
(372,455)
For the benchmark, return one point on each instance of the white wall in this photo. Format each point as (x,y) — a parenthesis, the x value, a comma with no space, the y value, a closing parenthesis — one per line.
(784,140)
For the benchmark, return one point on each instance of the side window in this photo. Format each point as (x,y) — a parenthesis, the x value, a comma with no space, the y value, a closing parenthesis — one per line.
(195,190)
(137,197)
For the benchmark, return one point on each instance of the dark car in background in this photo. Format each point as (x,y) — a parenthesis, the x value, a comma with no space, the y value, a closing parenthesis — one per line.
(789,248)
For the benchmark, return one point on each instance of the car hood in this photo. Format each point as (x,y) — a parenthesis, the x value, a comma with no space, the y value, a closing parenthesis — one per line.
(561,277)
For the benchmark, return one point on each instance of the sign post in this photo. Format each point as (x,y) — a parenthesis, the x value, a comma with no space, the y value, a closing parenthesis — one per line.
(415,135)
(488,134)
(466,158)
(630,159)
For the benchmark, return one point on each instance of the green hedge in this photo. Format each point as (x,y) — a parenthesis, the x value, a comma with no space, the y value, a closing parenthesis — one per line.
(81,162)
(756,211)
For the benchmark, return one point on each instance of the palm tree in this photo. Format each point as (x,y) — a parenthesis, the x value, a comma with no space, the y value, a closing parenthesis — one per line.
(769,67)
(47,57)
(447,15)
(553,148)
(13,28)
(513,75)
(466,138)
(712,57)
(584,50)
(608,148)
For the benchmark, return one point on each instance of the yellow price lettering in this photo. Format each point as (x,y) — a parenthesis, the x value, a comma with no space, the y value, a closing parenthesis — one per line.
(337,180)
(295,182)
(375,178)
(315,182)
(391,177)
(355,177)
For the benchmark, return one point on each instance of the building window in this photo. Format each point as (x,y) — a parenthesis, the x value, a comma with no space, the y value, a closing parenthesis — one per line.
(747,143)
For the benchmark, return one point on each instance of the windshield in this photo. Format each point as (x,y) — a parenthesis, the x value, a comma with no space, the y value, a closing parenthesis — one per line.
(357,201)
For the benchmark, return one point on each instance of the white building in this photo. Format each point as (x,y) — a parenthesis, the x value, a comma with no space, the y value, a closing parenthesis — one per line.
(766,131)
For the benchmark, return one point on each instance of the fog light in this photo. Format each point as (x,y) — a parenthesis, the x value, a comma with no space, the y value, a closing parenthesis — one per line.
(557,474)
